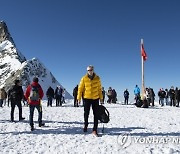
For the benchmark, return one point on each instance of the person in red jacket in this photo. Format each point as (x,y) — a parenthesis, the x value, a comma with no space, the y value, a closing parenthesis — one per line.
(33,95)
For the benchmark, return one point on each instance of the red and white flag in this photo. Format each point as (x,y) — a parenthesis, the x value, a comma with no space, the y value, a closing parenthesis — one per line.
(143,53)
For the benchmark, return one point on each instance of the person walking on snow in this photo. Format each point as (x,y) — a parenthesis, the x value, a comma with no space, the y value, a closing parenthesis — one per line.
(90,87)
(34,95)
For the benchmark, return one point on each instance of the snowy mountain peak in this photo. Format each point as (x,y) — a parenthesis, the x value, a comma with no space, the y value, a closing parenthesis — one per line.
(4,33)
(13,65)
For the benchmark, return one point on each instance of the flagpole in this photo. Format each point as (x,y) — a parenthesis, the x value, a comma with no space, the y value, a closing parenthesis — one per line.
(142,62)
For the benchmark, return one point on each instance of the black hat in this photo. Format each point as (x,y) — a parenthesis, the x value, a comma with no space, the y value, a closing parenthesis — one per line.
(16,82)
(35,79)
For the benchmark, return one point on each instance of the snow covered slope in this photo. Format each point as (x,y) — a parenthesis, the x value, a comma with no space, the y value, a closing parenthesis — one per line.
(10,60)
(34,67)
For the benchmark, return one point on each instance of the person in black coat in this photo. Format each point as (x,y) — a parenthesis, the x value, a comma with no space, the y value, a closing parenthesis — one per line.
(50,96)
(114,96)
(104,94)
(16,95)
(75,92)
(151,96)
(126,96)
(162,95)
(172,96)
(178,98)
(167,96)
(110,95)
(58,96)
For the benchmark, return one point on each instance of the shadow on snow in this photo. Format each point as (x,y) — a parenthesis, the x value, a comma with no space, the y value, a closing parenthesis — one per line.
(67,129)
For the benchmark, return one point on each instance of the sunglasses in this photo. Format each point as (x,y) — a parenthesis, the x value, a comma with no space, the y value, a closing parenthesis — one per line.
(90,70)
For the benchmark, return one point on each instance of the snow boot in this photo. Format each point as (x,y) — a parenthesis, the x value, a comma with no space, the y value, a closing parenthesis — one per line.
(85,129)
(41,124)
(95,133)
(32,128)
(22,118)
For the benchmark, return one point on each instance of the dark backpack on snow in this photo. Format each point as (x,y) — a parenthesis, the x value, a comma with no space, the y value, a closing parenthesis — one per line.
(103,114)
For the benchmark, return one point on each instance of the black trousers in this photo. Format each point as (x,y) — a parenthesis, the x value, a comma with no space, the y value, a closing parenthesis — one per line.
(152,101)
(39,108)
(75,102)
(87,105)
(19,105)
(126,100)
(58,100)
(172,102)
(49,101)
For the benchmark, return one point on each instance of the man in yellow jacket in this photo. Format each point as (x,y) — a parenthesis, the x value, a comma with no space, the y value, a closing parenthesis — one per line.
(90,87)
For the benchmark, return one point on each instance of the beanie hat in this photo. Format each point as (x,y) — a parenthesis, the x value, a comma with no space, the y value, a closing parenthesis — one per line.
(35,79)
(90,67)
(16,82)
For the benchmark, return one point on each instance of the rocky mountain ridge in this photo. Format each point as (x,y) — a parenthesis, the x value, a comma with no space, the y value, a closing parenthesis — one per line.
(13,65)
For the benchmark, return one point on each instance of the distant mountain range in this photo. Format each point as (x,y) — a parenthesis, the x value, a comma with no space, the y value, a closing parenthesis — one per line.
(13,65)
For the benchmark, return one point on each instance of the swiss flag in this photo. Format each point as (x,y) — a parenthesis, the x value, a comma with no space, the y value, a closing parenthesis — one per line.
(143,53)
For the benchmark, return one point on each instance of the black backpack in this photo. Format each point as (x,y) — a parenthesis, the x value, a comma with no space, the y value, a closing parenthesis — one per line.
(103,114)
(13,94)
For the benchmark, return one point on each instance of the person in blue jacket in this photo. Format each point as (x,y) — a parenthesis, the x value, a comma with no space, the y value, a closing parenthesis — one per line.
(137,93)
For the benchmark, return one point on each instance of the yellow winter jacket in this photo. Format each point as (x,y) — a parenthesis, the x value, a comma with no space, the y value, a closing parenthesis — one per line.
(91,89)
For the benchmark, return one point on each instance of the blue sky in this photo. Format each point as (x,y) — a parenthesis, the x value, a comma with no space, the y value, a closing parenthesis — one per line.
(68,35)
